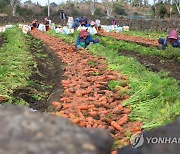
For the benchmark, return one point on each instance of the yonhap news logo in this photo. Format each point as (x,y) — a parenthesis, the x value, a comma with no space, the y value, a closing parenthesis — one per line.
(138,140)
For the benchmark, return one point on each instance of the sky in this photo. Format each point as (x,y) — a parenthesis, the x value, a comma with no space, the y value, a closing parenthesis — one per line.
(44,2)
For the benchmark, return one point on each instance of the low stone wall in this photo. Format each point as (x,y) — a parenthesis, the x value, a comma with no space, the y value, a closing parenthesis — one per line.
(25,132)
(154,25)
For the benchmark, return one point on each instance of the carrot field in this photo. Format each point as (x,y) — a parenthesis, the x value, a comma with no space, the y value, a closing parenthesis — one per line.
(98,87)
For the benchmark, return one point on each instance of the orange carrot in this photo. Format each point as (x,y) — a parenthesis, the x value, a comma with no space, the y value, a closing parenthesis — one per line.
(90,120)
(93,113)
(80,114)
(102,98)
(58,108)
(126,111)
(82,107)
(108,120)
(82,123)
(55,104)
(123,120)
(75,121)
(118,108)
(95,125)
(116,126)
(66,106)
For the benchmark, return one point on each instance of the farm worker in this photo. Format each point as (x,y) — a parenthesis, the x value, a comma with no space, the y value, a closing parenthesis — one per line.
(98,24)
(84,40)
(92,30)
(76,23)
(115,21)
(35,23)
(172,38)
(46,21)
(84,22)
(62,17)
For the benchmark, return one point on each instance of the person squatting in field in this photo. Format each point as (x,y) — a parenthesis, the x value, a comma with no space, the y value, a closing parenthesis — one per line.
(172,38)
(76,23)
(35,23)
(92,30)
(84,22)
(84,40)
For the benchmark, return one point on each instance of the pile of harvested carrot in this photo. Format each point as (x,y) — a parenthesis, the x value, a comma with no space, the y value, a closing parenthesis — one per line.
(86,100)
(134,39)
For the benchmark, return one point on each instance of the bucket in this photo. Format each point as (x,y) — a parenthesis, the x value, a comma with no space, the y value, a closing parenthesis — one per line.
(126,28)
(119,29)
(2,29)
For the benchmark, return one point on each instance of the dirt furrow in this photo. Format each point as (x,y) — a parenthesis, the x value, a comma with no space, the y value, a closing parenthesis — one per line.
(155,63)
(87,100)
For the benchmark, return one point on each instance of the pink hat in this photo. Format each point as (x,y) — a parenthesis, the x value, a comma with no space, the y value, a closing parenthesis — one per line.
(92,23)
(173,35)
(83,33)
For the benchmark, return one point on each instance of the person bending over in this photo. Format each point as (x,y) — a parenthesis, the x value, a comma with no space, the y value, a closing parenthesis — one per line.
(84,40)
(172,38)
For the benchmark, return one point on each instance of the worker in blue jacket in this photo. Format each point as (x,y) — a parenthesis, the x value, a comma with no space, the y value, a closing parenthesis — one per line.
(85,39)
(76,23)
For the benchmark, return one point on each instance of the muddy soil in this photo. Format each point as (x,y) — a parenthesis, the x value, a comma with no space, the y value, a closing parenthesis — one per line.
(45,82)
(156,63)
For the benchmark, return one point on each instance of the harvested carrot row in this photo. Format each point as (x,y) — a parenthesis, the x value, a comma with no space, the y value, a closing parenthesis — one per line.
(86,101)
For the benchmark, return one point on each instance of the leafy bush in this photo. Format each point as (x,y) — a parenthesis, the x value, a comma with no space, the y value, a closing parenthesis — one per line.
(162,11)
(99,13)
(120,11)
(23,11)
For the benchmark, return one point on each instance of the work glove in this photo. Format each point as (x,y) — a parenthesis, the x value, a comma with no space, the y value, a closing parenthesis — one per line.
(91,43)
(79,47)
(161,47)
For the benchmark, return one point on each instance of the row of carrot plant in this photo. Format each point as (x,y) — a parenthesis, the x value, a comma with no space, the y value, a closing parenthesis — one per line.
(145,34)
(17,65)
(14,64)
(169,52)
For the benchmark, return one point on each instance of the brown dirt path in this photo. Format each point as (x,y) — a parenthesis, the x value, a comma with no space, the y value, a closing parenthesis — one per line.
(86,100)
(127,38)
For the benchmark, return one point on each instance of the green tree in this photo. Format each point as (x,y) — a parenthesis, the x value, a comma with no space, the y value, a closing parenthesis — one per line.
(3,5)
(13,4)
(118,9)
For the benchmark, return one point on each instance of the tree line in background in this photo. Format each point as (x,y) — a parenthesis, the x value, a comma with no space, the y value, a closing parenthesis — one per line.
(107,8)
